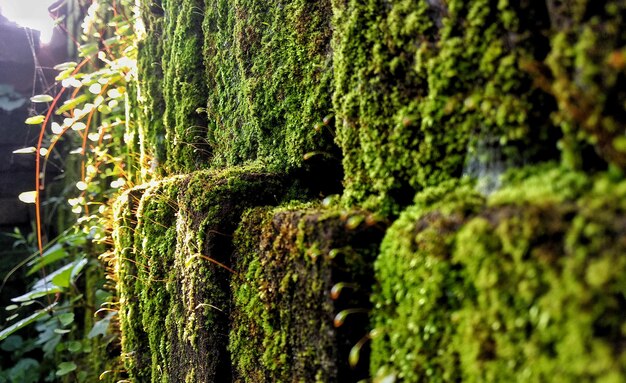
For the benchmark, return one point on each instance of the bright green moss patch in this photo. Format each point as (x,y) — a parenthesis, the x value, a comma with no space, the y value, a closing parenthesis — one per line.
(153,152)
(269,71)
(184,86)
(134,341)
(419,85)
(543,183)
(517,289)
(419,288)
(291,263)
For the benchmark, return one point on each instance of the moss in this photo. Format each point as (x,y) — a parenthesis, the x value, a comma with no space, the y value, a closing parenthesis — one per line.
(545,182)
(175,269)
(151,131)
(133,338)
(269,70)
(155,243)
(419,288)
(586,66)
(288,260)
(184,86)
(547,306)
(420,84)
(521,285)
(514,288)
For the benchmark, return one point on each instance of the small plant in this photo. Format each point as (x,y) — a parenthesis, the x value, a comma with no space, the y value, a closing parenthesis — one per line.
(89,112)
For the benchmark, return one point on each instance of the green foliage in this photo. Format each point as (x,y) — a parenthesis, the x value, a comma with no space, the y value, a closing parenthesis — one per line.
(72,345)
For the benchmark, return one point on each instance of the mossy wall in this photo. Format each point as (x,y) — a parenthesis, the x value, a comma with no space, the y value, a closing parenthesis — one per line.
(300,271)
(479,230)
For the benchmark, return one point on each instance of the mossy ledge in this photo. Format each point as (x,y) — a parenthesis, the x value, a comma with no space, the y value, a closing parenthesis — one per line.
(507,289)
(301,269)
(173,242)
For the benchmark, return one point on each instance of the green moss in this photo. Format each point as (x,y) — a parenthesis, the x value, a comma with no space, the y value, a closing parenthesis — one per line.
(519,288)
(133,338)
(419,288)
(288,260)
(151,131)
(521,285)
(184,86)
(420,84)
(547,182)
(175,267)
(155,243)
(269,70)
(586,65)
(548,306)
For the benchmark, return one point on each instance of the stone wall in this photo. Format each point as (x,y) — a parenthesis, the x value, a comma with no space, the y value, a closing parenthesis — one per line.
(401,191)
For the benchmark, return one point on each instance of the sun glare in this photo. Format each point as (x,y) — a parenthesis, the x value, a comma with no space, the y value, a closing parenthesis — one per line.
(30,13)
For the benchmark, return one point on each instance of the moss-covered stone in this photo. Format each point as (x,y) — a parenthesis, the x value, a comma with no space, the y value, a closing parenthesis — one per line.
(524,284)
(269,70)
(133,337)
(549,288)
(174,271)
(513,289)
(420,287)
(586,76)
(300,270)
(151,128)
(419,85)
(184,86)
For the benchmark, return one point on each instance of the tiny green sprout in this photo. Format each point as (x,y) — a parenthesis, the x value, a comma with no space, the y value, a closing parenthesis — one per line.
(327,120)
(308,155)
(330,200)
(332,254)
(104,374)
(65,66)
(344,215)
(355,351)
(314,253)
(340,318)
(201,256)
(354,222)
(389,378)
(337,288)
(353,358)
(373,219)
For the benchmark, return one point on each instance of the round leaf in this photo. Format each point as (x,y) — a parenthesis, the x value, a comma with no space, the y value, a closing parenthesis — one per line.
(65,368)
(35,120)
(41,98)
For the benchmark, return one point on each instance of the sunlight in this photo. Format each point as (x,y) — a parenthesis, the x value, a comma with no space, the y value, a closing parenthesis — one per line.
(30,13)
